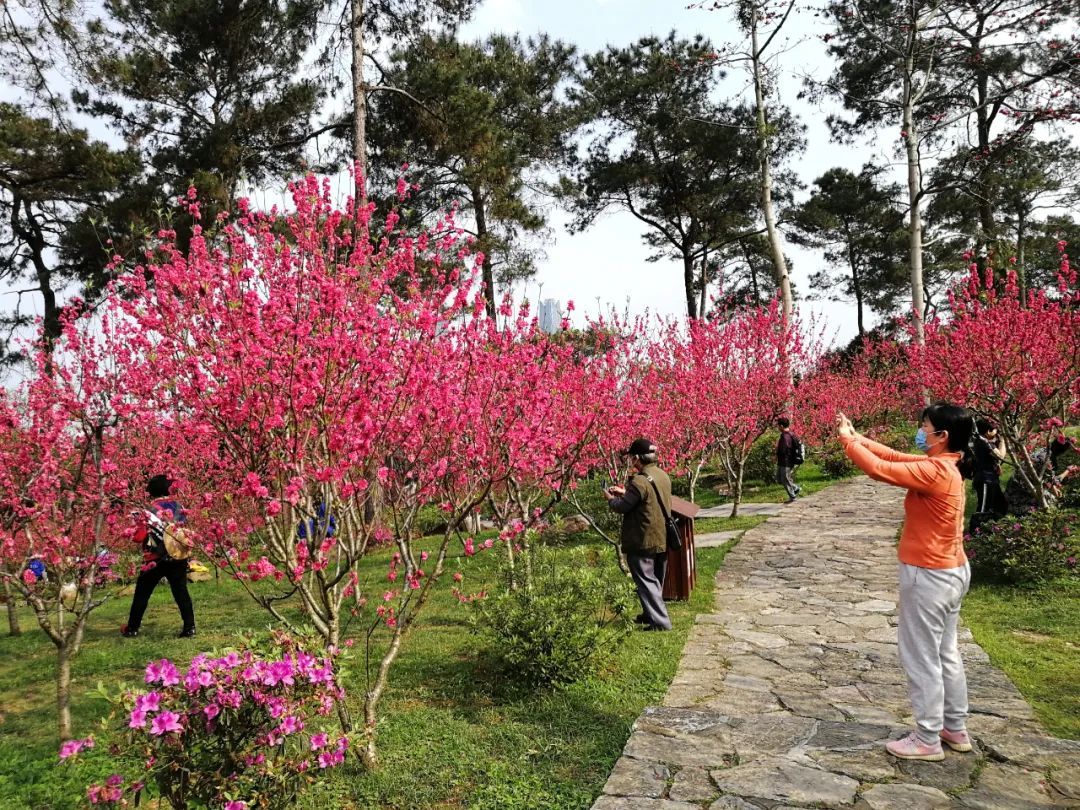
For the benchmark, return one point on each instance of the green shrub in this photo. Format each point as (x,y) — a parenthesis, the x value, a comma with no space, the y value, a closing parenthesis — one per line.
(1032,549)
(557,631)
(761,463)
(430,519)
(833,462)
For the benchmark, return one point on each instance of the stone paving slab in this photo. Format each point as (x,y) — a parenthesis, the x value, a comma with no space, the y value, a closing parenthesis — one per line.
(724,509)
(785,695)
(714,539)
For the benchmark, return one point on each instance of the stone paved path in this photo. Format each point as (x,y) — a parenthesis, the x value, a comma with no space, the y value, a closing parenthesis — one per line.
(784,696)
(724,509)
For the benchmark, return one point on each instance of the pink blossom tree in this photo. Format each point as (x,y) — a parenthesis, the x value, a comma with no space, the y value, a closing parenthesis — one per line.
(727,379)
(62,441)
(1012,359)
(304,370)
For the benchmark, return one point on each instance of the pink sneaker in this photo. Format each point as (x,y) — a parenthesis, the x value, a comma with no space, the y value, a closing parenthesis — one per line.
(911,747)
(956,740)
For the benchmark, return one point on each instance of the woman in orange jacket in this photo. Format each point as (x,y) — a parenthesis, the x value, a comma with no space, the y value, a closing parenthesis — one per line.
(933,570)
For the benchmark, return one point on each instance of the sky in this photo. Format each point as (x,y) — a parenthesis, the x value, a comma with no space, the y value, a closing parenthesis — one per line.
(606,265)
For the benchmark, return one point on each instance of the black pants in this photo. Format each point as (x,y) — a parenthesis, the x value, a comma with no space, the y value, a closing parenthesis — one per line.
(176,572)
(990,504)
(991,498)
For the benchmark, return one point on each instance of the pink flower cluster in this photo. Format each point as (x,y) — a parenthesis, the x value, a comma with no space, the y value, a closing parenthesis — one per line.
(240,720)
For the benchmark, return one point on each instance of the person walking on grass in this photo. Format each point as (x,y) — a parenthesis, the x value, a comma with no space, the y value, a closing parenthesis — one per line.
(643,537)
(157,565)
(787,451)
(933,571)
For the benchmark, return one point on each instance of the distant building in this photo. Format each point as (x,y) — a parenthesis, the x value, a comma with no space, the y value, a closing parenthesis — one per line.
(550,316)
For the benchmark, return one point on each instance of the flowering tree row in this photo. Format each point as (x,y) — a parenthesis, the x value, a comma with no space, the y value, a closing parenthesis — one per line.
(311,391)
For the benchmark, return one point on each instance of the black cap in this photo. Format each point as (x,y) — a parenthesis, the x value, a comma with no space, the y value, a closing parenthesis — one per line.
(640,447)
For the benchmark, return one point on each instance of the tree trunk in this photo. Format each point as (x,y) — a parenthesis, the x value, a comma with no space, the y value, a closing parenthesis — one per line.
(12,609)
(754,289)
(1021,273)
(359,104)
(487,270)
(856,286)
(982,128)
(29,230)
(915,246)
(63,691)
(704,297)
(783,280)
(688,283)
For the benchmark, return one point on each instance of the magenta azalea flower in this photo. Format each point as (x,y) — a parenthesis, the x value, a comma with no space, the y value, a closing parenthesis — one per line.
(72,747)
(162,671)
(138,719)
(290,725)
(165,722)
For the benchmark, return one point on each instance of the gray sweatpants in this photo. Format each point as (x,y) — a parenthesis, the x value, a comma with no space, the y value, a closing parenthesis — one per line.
(647,571)
(929,611)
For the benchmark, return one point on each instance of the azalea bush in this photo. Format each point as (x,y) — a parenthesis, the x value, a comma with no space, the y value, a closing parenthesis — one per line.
(246,728)
(1039,547)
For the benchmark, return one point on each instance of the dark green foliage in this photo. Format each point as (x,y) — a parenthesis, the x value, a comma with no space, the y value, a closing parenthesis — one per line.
(479,122)
(682,163)
(761,463)
(1070,487)
(50,176)
(559,630)
(1038,547)
(834,463)
(856,221)
(210,88)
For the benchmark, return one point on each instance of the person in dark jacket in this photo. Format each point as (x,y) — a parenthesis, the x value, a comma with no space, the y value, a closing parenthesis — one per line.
(643,537)
(988,449)
(785,459)
(157,565)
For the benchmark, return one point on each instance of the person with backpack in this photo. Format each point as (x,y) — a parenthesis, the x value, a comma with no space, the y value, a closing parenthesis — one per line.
(156,526)
(789,455)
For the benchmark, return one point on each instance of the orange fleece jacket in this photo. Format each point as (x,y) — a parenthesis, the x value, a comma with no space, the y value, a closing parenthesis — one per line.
(933,535)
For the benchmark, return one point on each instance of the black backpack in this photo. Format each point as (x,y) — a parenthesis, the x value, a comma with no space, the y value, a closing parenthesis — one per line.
(798,451)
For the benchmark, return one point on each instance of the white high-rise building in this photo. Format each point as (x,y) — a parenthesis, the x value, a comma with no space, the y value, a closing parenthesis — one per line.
(550,316)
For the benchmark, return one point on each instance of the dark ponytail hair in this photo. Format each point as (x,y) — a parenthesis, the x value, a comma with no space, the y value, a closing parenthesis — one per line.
(159,486)
(959,423)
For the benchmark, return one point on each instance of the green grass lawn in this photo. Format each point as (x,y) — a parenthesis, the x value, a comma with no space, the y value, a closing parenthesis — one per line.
(452,734)
(1033,635)
(808,476)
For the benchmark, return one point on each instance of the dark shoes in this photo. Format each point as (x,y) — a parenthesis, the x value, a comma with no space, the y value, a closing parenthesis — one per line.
(655,628)
(640,619)
(129,632)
